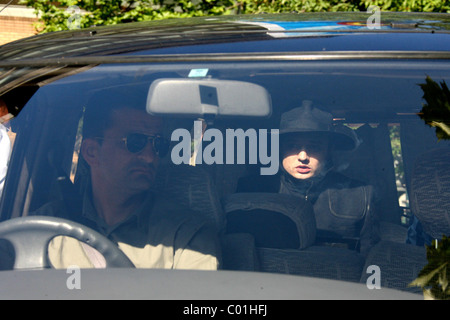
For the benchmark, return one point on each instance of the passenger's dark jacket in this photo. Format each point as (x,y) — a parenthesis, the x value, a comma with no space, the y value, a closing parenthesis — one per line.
(343,207)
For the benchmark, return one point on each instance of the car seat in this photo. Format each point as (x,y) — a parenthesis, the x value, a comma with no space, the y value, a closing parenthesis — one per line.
(399,264)
(327,262)
(430,203)
(430,191)
(284,230)
(194,188)
(275,220)
(373,164)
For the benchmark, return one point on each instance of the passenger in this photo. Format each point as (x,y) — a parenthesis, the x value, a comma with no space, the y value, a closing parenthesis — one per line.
(5,144)
(342,206)
(122,146)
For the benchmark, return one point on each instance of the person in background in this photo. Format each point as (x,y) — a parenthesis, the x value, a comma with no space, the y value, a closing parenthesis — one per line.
(342,206)
(5,144)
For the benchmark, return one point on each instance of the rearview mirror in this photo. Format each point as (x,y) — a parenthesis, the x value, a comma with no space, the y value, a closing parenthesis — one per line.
(208,98)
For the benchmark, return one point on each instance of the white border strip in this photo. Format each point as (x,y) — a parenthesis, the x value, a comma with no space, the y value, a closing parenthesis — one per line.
(17,11)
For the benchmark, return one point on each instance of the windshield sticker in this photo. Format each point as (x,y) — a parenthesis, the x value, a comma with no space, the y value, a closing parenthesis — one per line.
(195,73)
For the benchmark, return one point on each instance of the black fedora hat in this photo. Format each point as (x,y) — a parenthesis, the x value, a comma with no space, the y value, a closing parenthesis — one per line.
(307,119)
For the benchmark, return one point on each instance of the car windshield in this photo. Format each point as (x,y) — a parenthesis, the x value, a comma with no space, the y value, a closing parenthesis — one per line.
(326,169)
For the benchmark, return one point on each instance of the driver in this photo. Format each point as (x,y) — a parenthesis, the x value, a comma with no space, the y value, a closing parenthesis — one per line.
(122,147)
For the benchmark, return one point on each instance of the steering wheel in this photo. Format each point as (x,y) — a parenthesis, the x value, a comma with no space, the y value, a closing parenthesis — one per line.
(31,235)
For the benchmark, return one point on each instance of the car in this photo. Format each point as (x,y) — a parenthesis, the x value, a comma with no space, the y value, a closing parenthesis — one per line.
(229,89)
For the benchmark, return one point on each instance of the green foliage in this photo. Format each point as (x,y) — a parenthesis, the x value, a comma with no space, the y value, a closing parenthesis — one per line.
(410,5)
(434,277)
(436,112)
(62,15)
(272,6)
(394,134)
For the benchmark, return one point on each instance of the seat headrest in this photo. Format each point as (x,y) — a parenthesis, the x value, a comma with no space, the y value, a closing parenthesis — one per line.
(430,191)
(192,187)
(275,220)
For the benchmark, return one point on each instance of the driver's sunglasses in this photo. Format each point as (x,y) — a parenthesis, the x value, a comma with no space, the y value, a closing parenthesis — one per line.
(136,142)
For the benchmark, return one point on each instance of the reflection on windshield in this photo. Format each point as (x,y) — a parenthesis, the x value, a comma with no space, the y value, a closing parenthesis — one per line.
(436,112)
(430,193)
(361,218)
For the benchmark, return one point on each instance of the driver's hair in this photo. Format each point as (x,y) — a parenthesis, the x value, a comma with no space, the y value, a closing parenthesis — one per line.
(102,104)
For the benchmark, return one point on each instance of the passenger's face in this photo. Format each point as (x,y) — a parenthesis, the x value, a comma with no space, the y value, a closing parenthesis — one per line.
(119,168)
(304,156)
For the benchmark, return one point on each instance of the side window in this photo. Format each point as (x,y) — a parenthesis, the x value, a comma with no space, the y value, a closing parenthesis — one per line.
(400,179)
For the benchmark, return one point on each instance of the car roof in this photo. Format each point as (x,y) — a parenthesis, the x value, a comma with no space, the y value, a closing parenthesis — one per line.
(318,31)
(294,36)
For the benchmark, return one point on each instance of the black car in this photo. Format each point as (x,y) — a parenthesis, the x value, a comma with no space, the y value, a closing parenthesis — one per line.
(238,96)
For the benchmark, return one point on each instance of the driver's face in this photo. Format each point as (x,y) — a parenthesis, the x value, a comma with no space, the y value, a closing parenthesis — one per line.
(304,156)
(121,168)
